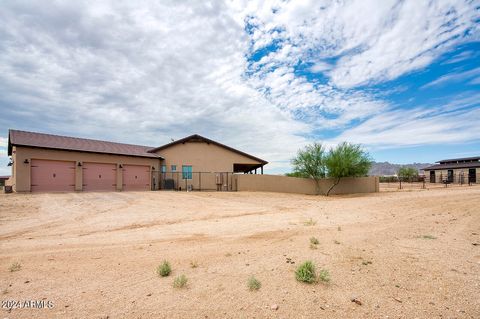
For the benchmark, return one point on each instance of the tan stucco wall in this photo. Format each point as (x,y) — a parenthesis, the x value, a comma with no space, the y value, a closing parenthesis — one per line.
(442,174)
(285,184)
(20,179)
(203,157)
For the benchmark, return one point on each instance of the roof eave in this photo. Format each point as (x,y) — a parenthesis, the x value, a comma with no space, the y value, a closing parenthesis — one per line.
(85,151)
(185,139)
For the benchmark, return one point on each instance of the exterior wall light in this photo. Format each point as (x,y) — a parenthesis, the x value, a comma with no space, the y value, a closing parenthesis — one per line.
(79,164)
(26,161)
(120,166)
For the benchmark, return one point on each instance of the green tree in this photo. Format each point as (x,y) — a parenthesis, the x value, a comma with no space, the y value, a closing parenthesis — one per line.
(347,160)
(407,173)
(310,163)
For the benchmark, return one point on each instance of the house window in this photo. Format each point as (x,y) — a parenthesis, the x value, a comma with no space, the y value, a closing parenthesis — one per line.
(186,171)
(164,168)
(174,168)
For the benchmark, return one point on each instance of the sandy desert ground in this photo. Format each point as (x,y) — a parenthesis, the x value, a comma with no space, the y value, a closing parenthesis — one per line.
(93,255)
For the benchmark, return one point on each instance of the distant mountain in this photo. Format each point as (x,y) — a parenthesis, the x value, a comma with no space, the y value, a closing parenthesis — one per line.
(386,168)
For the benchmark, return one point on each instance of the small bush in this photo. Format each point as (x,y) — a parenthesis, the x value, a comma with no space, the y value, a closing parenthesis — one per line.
(310,222)
(193,264)
(336,242)
(324,275)
(306,272)
(180,281)
(314,241)
(254,284)
(164,269)
(429,237)
(15,267)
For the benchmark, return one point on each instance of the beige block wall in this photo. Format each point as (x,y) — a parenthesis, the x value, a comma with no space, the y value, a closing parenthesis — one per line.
(20,179)
(203,157)
(285,184)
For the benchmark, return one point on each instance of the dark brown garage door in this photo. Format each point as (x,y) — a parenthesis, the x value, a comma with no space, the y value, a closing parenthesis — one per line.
(99,177)
(52,176)
(136,178)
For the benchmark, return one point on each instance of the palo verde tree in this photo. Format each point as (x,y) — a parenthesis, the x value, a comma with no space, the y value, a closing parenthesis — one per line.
(407,173)
(346,160)
(310,163)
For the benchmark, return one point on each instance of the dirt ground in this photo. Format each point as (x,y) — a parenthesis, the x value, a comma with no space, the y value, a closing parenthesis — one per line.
(93,255)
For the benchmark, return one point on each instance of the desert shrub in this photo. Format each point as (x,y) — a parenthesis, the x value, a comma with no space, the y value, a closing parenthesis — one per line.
(314,241)
(306,272)
(324,275)
(310,222)
(429,237)
(15,267)
(180,281)
(193,264)
(164,269)
(253,283)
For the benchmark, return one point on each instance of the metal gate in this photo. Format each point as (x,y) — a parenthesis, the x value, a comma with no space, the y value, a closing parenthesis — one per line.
(197,181)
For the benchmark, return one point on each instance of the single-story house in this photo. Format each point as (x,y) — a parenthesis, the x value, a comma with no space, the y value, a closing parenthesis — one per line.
(456,170)
(45,163)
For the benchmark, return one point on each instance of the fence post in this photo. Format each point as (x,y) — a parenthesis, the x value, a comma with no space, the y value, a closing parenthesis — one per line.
(400,182)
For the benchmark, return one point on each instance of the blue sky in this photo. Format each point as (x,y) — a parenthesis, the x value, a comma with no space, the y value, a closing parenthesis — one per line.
(401,78)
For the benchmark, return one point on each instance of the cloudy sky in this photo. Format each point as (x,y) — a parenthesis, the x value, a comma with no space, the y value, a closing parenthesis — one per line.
(267,77)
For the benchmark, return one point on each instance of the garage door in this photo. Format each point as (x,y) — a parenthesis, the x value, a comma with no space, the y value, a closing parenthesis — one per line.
(99,177)
(136,177)
(52,176)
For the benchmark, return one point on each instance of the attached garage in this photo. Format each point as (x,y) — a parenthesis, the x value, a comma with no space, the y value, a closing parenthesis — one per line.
(99,176)
(52,176)
(136,177)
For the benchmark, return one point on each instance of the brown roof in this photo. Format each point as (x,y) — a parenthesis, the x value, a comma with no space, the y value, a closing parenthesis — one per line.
(452,166)
(4,177)
(199,138)
(32,139)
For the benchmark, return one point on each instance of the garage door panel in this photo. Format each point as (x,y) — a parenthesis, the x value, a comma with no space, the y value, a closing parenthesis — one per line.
(136,177)
(99,176)
(52,176)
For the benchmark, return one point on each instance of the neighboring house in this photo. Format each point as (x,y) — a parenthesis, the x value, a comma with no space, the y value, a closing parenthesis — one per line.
(456,170)
(45,162)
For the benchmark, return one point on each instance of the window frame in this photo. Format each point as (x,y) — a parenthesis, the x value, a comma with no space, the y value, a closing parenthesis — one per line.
(187,172)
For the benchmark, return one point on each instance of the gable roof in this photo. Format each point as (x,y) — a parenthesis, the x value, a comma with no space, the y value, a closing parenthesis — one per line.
(41,140)
(199,138)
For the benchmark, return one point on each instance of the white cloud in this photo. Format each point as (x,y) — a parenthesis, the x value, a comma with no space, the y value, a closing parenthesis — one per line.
(320,67)
(453,77)
(375,40)
(453,122)
(462,56)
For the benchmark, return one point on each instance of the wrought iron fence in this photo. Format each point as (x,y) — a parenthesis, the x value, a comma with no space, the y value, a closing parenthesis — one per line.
(197,181)
(426,182)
